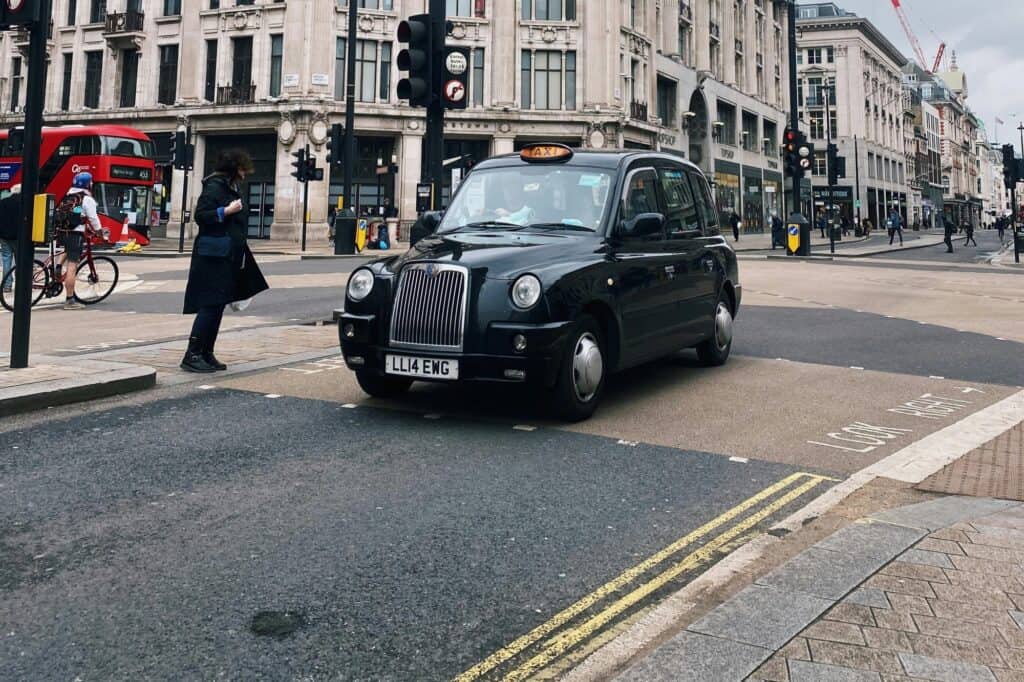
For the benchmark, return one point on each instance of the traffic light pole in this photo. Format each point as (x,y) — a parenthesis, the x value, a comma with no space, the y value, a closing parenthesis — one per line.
(305,204)
(794,114)
(29,185)
(830,159)
(345,220)
(435,112)
(184,190)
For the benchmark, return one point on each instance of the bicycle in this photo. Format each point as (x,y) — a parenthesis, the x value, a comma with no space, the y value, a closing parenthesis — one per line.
(95,278)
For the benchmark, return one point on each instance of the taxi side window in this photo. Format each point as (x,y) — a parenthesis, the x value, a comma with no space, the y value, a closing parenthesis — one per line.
(705,203)
(641,196)
(680,208)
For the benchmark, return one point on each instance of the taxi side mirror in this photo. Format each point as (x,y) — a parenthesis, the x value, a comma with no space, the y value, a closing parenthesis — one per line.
(643,225)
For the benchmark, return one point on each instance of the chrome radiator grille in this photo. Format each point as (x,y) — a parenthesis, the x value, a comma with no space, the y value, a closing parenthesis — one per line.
(430,307)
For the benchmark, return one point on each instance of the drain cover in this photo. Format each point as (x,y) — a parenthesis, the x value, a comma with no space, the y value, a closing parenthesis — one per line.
(277,624)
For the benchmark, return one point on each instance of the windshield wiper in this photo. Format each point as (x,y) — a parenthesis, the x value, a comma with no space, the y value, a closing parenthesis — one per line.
(561,226)
(492,224)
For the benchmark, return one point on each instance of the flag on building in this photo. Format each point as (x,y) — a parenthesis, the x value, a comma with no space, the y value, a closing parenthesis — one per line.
(999,121)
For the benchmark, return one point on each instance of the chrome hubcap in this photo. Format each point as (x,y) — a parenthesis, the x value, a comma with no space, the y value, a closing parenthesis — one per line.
(723,326)
(587,367)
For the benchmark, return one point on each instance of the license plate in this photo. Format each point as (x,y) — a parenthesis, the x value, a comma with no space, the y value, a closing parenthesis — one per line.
(423,368)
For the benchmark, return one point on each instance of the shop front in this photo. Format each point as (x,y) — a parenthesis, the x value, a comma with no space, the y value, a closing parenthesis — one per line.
(773,199)
(370,188)
(842,201)
(727,188)
(753,200)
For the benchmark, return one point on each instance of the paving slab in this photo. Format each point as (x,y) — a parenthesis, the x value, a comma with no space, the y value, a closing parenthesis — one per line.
(50,381)
(880,540)
(806,671)
(823,573)
(943,512)
(944,671)
(692,656)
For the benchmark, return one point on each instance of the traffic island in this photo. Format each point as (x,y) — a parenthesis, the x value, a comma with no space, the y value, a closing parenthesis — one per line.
(52,381)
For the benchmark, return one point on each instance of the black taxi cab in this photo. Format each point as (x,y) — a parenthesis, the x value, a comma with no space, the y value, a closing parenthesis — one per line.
(553,267)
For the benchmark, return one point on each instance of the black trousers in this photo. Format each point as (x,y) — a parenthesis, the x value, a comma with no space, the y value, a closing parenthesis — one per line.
(207,326)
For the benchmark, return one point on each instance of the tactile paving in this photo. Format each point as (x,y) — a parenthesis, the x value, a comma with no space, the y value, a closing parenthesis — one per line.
(996,469)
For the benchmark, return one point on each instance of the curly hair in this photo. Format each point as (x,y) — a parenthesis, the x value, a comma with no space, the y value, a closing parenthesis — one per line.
(232,161)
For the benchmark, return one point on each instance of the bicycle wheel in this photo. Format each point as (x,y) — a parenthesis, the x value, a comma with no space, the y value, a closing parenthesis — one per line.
(40,282)
(95,279)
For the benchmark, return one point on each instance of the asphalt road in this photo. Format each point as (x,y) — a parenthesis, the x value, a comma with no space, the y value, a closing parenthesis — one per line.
(988,245)
(405,548)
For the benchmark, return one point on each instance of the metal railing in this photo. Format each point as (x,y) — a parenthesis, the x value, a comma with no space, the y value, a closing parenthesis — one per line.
(638,110)
(236,94)
(129,21)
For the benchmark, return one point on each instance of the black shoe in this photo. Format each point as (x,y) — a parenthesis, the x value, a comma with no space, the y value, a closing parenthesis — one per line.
(212,361)
(194,362)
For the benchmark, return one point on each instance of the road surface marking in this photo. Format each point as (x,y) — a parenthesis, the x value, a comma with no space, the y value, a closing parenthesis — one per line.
(272,395)
(739,460)
(524,427)
(855,367)
(523,642)
(935,376)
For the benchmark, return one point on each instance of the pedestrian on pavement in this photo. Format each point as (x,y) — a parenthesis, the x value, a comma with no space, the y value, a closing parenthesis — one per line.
(10,224)
(950,230)
(846,225)
(778,231)
(867,227)
(1001,228)
(895,226)
(735,221)
(332,218)
(223,269)
(75,220)
(969,231)
(822,224)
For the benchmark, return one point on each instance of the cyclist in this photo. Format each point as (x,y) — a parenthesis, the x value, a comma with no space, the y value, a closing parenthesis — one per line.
(79,200)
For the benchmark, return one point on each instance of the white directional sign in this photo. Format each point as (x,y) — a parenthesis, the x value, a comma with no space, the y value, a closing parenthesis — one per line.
(456,63)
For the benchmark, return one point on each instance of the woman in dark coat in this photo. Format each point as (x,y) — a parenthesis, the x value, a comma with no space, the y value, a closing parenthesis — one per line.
(223,269)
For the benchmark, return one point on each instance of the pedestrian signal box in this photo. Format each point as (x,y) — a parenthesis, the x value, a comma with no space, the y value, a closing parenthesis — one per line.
(42,218)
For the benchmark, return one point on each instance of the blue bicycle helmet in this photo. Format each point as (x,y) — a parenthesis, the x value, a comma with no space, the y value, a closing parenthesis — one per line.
(82,180)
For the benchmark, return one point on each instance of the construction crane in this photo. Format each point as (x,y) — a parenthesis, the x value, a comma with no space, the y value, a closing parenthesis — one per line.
(914,42)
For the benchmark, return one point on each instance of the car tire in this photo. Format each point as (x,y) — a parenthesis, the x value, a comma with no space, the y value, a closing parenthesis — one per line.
(382,386)
(581,374)
(714,351)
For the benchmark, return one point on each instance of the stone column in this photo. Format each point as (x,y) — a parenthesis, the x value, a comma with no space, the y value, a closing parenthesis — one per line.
(410,161)
(503,60)
(191,58)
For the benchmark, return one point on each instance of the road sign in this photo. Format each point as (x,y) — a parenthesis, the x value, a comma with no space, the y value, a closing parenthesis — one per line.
(456,63)
(454,91)
(793,237)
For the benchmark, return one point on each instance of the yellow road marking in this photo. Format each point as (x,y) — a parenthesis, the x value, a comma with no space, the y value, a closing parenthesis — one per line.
(566,615)
(558,645)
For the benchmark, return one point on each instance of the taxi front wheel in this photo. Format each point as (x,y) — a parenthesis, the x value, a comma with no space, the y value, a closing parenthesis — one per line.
(384,386)
(581,376)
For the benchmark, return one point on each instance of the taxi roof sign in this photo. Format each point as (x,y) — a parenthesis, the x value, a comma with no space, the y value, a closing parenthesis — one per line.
(545,153)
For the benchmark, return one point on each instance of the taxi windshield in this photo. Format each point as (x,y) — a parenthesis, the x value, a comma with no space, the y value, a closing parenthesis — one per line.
(545,197)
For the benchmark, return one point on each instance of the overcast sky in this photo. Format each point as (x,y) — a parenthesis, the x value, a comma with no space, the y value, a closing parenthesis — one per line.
(987,35)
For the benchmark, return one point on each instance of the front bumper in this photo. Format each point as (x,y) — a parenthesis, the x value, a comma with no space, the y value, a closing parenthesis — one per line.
(494,359)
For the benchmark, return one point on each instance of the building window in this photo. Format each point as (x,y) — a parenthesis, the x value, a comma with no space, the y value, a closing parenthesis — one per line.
(340,54)
(72,12)
(771,138)
(15,83)
(636,14)
(685,41)
(97,11)
(210,89)
(814,96)
(467,8)
(833,122)
(385,5)
(817,124)
(476,82)
(667,102)
(548,80)
(726,123)
(549,10)
(93,78)
(385,72)
(172,8)
(814,55)
(366,70)
(276,57)
(820,163)
(214,4)
(167,86)
(750,132)
(241,67)
(65,90)
(871,165)
(129,77)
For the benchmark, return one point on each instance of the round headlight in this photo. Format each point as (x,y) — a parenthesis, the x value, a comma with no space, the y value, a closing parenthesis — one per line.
(526,292)
(360,284)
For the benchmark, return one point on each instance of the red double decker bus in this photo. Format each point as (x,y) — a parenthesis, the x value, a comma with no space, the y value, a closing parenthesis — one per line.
(119,158)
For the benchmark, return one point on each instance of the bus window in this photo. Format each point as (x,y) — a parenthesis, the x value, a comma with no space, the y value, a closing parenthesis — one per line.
(126,146)
(121,201)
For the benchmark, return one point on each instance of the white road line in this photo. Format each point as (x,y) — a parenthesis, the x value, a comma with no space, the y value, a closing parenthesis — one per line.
(272,395)
(524,427)
(629,443)
(431,416)
(739,460)
(855,367)
(350,406)
(935,376)
(206,387)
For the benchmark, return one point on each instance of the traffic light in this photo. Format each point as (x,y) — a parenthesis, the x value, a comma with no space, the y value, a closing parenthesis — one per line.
(1009,167)
(299,164)
(455,78)
(832,152)
(313,172)
(179,151)
(417,60)
(797,152)
(336,145)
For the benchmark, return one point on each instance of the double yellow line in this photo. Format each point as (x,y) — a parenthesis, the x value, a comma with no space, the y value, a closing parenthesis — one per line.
(552,641)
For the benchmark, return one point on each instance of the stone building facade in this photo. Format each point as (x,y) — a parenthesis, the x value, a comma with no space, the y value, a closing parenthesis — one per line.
(699,78)
(846,66)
